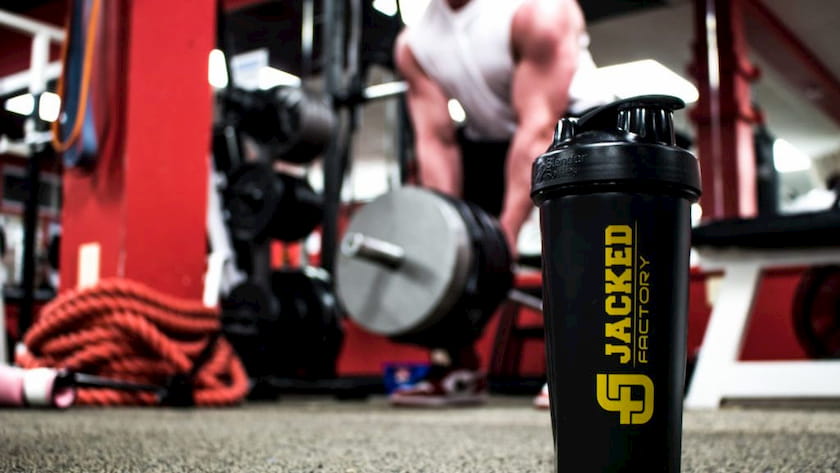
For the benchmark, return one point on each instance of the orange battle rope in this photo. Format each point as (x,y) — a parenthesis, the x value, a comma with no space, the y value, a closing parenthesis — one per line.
(58,143)
(127,331)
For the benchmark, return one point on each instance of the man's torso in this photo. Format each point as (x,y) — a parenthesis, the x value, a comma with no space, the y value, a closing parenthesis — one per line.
(468,52)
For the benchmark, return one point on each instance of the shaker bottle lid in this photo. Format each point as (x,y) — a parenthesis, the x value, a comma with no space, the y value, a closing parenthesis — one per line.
(628,144)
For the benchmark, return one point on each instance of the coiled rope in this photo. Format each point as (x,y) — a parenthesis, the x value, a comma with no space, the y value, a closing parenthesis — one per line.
(125,330)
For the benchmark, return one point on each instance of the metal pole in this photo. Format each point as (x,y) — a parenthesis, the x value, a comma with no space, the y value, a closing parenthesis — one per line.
(385,90)
(222,41)
(404,141)
(373,250)
(333,40)
(30,230)
(16,148)
(31,27)
(20,80)
(38,62)
(353,82)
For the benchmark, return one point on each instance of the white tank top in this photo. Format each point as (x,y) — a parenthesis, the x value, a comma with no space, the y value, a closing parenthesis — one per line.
(469,53)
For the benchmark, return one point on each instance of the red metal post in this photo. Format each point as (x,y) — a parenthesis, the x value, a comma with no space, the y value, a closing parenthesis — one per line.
(144,204)
(724,115)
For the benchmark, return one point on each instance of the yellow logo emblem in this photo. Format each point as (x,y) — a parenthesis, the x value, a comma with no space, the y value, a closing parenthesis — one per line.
(615,394)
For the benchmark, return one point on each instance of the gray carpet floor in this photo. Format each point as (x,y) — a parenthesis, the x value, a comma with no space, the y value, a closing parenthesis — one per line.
(322,435)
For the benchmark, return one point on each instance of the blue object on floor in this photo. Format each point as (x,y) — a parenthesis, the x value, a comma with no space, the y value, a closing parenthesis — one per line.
(399,375)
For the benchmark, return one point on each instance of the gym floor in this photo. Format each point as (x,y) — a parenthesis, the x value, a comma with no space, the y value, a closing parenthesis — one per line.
(323,435)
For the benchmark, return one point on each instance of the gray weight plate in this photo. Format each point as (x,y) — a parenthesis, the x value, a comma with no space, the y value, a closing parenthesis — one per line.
(394,302)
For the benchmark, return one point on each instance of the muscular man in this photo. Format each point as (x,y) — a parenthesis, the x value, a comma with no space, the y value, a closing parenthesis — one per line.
(516,67)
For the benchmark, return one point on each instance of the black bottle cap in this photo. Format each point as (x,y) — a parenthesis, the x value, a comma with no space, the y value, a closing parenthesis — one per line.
(629,144)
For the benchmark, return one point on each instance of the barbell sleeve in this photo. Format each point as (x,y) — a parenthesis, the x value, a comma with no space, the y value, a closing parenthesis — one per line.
(525,299)
(357,245)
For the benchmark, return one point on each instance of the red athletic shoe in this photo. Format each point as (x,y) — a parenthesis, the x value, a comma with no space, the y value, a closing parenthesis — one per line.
(458,387)
(541,400)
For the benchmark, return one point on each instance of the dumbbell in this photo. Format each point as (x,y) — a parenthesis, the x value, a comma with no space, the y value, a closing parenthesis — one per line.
(262,203)
(290,328)
(295,125)
(423,268)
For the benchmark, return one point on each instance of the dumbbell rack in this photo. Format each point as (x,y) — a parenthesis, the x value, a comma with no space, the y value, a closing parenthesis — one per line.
(291,128)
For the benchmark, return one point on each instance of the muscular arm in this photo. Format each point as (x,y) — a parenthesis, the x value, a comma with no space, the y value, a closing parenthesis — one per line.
(545,41)
(437,151)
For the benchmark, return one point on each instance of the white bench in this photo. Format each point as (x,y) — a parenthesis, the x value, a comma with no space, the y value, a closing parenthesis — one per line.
(719,373)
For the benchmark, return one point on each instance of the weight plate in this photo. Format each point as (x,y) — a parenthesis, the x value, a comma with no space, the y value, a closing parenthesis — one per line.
(309,335)
(816,312)
(249,318)
(307,125)
(301,209)
(438,256)
(251,200)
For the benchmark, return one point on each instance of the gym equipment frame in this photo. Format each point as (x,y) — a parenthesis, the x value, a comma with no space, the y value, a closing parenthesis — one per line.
(719,374)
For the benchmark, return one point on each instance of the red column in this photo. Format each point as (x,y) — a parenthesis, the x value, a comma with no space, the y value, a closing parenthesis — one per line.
(724,115)
(144,203)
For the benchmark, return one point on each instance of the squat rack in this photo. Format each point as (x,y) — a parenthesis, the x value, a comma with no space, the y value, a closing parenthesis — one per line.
(345,92)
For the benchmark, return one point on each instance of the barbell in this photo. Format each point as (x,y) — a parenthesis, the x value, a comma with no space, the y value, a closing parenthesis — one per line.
(423,268)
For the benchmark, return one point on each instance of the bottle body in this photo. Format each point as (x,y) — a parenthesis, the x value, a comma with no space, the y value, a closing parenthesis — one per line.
(615,272)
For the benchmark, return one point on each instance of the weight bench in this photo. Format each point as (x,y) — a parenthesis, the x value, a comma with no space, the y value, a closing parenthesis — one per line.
(742,249)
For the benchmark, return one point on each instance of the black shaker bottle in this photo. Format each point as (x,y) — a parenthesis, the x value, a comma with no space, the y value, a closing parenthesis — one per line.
(614,194)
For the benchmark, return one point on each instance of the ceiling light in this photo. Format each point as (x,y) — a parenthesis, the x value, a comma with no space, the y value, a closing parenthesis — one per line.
(269,77)
(21,104)
(49,107)
(387,7)
(646,77)
(786,158)
(412,10)
(217,69)
(456,111)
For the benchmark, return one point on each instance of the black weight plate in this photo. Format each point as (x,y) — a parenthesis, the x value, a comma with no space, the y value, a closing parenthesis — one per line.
(494,275)
(310,332)
(247,307)
(307,124)
(251,199)
(816,312)
(249,318)
(300,211)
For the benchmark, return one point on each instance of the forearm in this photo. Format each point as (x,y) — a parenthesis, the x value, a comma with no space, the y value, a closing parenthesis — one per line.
(546,36)
(528,143)
(438,156)
(439,165)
